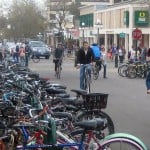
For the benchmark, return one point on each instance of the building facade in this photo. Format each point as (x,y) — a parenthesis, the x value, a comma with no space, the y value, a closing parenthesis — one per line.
(115,24)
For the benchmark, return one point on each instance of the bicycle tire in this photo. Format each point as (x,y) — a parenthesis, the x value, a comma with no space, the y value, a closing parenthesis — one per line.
(95,73)
(119,143)
(35,59)
(98,114)
(87,83)
(58,71)
(131,73)
(122,70)
(2,129)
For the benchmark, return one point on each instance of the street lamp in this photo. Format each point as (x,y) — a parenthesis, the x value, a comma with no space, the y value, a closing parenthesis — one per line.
(83,25)
(99,26)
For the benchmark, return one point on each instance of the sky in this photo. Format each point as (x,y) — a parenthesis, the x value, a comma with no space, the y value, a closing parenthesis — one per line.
(7,2)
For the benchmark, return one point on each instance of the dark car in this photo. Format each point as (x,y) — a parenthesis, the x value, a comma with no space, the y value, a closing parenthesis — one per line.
(40,49)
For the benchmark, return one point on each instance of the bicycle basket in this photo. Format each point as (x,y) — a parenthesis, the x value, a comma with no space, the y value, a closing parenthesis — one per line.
(95,101)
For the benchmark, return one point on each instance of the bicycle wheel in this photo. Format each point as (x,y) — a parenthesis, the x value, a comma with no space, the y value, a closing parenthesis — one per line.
(121,143)
(98,114)
(2,129)
(95,73)
(35,58)
(131,72)
(122,70)
(58,71)
(87,82)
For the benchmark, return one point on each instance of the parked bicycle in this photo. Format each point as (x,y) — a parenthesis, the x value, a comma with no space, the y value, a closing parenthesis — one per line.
(31,133)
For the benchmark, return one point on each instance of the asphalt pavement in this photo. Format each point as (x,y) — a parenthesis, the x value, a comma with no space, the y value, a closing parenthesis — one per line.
(128,103)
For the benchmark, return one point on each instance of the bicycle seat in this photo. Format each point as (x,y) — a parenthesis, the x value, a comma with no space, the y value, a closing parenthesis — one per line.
(55,85)
(54,91)
(101,123)
(72,101)
(79,91)
(63,95)
(97,123)
(87,124)
(63,114)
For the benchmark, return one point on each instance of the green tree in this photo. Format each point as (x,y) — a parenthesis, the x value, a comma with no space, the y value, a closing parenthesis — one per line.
(25,20)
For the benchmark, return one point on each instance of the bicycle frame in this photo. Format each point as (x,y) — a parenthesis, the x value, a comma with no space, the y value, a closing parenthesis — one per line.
(87,82)
(66,144)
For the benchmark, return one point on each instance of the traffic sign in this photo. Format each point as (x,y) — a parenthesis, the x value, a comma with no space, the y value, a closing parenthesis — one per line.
(137,34)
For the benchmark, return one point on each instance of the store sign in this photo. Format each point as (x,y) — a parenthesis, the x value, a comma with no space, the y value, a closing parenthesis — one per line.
(122,35)
(141,18)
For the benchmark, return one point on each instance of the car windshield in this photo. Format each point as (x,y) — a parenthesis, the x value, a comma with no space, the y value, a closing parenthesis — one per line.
(36,44)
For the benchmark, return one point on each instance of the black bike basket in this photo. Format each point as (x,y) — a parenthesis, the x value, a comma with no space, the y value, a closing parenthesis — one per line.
(95,101)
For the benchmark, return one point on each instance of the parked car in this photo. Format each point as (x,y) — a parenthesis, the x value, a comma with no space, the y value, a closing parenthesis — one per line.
(40,49)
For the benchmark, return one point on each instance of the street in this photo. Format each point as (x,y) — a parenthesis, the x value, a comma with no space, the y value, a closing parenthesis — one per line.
(128,103)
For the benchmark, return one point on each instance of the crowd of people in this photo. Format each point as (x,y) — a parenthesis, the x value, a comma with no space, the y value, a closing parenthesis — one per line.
(88,55)
(19,53)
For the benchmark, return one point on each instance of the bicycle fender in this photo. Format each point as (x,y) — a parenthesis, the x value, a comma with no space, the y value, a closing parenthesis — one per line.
(128,136)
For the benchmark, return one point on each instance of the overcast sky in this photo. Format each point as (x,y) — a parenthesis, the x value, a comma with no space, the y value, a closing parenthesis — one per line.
(7,2)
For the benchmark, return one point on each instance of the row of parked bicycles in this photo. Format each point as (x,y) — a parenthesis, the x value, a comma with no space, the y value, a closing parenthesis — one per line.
(134,69)
(38,114)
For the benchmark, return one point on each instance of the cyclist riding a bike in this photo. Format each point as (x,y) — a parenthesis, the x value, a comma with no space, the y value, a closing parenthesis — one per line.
(58,55)
(84,59)
(97,55)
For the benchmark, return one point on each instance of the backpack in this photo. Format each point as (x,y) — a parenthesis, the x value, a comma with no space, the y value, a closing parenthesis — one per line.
(17,48)
(96,52)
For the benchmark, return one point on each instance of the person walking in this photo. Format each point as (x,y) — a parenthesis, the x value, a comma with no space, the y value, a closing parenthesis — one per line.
(85,59)
(104,61)
(148,73)
(16,54)
(22,55)
(27,53)
(120,54)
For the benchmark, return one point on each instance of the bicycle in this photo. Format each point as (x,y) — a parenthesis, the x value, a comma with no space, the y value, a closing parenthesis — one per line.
(114,141)
(96,68)
(58,67)
(86,141)
(35,58)
(117,141)
(87,79)
(137,69)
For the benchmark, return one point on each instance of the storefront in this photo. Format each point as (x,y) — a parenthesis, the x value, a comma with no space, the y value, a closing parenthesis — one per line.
(116,24)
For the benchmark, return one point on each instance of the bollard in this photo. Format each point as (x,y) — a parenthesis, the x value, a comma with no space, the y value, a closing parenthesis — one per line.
(116,61)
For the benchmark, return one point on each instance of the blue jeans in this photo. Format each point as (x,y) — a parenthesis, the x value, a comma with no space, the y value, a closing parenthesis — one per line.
(148,81)
(82,74)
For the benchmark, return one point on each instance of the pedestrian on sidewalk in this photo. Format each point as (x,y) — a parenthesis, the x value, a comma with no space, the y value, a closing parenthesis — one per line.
(148,73)
(104,61)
